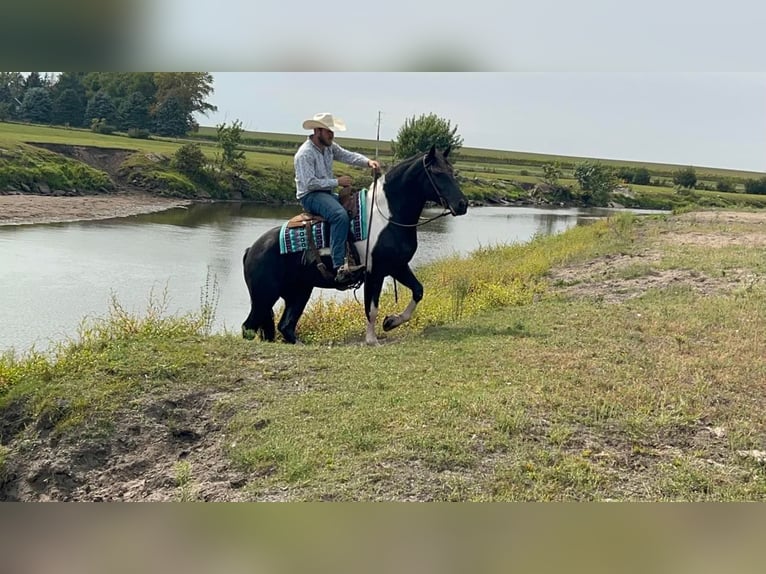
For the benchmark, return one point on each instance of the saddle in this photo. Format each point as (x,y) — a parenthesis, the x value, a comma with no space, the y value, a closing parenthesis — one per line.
(349,199)
(313,229)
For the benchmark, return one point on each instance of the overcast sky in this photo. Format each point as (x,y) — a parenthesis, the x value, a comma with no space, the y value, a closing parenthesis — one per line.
(698,118)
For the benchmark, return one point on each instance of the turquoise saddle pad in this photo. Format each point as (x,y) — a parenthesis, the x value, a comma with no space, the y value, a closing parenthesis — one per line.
(296,240)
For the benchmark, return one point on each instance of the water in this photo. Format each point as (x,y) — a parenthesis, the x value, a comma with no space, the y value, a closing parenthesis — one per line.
(54,276)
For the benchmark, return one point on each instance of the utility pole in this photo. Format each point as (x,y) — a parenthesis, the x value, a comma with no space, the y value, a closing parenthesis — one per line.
(377,138)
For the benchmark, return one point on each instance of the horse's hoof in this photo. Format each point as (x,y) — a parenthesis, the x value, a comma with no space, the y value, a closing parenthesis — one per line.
(391,322)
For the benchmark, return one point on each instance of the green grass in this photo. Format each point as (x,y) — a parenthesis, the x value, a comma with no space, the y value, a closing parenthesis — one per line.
(487,175)
(522,394)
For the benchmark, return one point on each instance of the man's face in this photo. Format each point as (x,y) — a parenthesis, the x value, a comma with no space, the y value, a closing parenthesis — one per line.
(325,136)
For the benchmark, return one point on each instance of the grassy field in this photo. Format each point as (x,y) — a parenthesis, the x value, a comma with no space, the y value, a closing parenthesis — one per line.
(621,360)
(485,174)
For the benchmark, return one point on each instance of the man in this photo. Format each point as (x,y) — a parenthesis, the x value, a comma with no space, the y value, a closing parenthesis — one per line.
(315,184)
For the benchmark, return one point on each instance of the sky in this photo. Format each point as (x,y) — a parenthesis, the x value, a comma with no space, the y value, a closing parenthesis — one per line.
(703,119)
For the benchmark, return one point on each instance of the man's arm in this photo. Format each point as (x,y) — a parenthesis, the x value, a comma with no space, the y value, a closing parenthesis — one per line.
(351,158)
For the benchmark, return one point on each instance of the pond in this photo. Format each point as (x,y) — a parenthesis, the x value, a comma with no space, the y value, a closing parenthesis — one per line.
(54,276)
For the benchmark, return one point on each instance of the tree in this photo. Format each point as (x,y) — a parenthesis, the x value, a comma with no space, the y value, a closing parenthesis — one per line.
(597,180)
(68,108)
(756,186)
(685,177)
(69,99)
(229,138)
(171,119)
(101,107)
(133,113)
(641,176)
(552,173)
(11,93)
(417,135)
(37,106)
(189,89)
(33,80)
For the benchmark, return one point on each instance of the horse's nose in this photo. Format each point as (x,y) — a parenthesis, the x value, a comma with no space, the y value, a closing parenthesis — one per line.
(462,207)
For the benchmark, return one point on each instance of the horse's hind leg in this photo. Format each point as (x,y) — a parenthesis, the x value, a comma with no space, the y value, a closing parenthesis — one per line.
(406,277)
(259,321)
(295,303)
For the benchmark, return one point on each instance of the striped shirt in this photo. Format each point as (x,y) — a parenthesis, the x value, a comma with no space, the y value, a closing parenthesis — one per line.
(313,167)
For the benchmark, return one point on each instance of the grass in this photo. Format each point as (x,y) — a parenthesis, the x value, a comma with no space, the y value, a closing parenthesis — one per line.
(486,175)
(505,391)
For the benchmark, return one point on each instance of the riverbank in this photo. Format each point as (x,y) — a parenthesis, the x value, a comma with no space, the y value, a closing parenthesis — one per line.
(26,209)
(633,373)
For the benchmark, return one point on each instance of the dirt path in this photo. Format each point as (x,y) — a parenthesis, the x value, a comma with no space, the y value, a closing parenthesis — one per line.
(616,278)
(27,209)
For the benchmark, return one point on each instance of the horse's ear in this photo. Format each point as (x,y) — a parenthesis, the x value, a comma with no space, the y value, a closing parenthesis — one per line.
(446,151)
(431,154)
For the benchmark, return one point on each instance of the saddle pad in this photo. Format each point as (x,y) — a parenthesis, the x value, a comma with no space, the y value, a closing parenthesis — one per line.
(295,240)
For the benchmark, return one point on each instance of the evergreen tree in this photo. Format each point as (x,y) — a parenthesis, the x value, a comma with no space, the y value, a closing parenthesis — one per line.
(11,93)
(37,106)
(133,113)
(68,108)
(100,107)
(33,80)
(171,119)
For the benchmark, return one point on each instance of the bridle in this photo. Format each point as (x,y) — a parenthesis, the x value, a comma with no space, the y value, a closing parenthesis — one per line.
(445,204)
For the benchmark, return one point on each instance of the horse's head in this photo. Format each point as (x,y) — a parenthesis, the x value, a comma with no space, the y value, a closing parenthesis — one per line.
(441,175)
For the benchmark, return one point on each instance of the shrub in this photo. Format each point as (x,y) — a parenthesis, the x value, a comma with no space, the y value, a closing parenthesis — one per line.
(685,177)
(100,126)
(138,133)
(190,160)
(417,135)
(756,186)
(596,181)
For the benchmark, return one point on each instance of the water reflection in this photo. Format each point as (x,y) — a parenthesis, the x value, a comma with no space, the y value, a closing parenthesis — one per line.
(52,276)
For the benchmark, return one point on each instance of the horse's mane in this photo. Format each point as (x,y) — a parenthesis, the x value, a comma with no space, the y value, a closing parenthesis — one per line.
(401,167)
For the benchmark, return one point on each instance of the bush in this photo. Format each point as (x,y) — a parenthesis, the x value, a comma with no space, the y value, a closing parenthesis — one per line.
(756,186)
(417,135)
(685,177)
(641,176)
(100,126)
(596,181)
(190,160)
(138,133)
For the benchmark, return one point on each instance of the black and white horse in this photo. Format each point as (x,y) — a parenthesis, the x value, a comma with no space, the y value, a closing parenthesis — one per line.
(395,203)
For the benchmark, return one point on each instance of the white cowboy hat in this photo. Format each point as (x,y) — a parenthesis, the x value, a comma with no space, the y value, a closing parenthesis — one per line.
(327,121)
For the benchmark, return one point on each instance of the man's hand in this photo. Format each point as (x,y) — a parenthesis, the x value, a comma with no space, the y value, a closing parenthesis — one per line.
(374,164)
(344,181)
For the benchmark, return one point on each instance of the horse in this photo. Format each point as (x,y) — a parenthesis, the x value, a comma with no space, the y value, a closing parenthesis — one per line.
(394,205)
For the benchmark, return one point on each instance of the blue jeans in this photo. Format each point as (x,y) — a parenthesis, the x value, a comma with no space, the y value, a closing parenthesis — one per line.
(328,206)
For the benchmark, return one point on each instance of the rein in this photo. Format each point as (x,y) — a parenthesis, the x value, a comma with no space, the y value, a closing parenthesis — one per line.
(430,219)
(375,203)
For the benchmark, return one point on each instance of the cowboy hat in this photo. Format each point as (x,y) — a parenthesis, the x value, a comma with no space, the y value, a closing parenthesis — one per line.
(327,121)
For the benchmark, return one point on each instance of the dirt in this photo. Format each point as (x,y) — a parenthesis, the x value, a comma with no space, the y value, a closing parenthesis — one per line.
(610,279)
(143,459)
(25,208)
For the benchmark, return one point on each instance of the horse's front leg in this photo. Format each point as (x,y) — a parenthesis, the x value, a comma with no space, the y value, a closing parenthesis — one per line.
(406,277)
(373,284)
